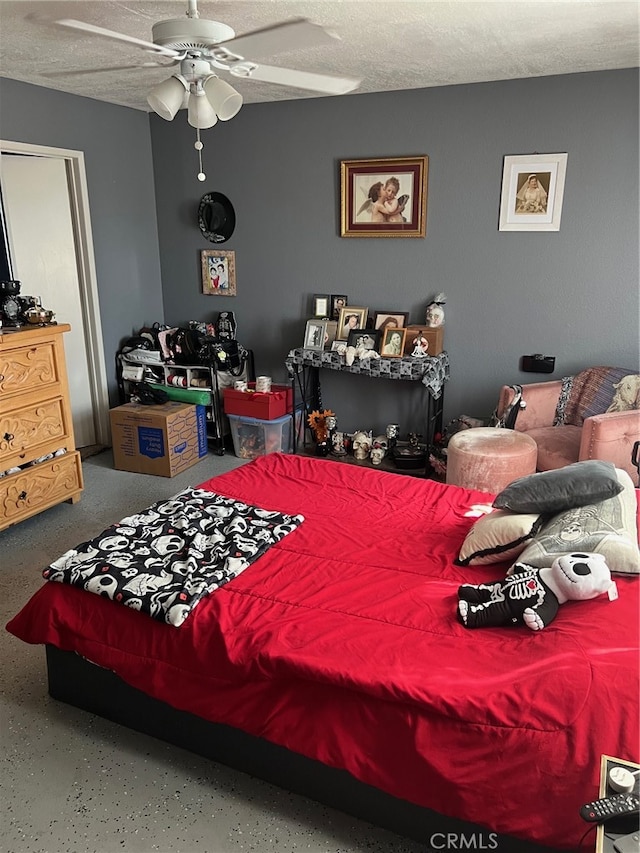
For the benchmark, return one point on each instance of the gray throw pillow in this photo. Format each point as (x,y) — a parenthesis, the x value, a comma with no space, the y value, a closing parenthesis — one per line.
(608,528)
(574,485)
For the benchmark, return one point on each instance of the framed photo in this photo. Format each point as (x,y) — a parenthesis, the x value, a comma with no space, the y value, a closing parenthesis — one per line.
(314,335)
(321,305)
(365,338)
(218,272)
(532,192)
(330,333)
(350,318)
(384,198)
(384,319)
(338,301)
(392,342)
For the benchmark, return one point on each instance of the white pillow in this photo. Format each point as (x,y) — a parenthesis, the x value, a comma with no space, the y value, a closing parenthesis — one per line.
(500,535)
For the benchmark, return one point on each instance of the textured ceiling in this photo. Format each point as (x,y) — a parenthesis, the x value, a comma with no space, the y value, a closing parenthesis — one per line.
(389,44)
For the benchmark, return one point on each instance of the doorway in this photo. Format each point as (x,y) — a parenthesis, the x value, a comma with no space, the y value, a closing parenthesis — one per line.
(50,247)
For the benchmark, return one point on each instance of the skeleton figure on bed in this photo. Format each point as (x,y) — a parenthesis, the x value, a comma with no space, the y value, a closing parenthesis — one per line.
(533,596)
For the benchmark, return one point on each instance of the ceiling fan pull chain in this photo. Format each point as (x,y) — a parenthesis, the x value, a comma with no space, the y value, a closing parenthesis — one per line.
(199,146)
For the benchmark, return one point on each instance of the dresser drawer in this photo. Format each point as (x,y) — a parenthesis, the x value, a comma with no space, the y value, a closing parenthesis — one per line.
(24,369)
(39,487)
(33,430)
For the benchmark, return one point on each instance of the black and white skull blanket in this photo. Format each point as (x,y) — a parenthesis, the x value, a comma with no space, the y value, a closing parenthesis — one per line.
(166,559)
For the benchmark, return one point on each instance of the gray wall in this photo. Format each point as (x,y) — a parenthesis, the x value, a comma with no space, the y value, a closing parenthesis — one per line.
(572,294)
(117,149)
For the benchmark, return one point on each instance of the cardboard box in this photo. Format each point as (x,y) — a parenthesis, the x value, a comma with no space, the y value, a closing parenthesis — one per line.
(257,404)
(162,440)
(435,337)
(253,437)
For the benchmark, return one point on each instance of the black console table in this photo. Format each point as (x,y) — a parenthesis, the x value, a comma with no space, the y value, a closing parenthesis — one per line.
(304,365)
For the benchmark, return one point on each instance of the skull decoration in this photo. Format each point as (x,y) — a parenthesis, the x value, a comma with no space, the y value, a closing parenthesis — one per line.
(393,431)
(337,444)
(361,444)
(379,447)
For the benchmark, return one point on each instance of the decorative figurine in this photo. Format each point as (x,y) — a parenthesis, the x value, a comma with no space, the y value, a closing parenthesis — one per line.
(420,347)
(435,312)
(362,444)
(379,447)
(392,432)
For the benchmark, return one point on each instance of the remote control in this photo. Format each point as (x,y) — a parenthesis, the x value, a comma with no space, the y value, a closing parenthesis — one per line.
(600,811)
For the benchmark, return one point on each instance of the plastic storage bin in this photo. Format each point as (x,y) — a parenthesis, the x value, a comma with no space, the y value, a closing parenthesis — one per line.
(254,437)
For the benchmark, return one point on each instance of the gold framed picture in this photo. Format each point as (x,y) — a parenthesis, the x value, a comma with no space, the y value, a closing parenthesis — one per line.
(218,272)
(384,198)
(351,317)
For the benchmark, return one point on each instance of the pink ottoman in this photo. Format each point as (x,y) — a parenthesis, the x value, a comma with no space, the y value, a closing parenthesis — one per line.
(488,458)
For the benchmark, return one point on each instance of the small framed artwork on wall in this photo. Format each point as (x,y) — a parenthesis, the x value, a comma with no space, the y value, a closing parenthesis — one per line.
(532,192)
(218,272)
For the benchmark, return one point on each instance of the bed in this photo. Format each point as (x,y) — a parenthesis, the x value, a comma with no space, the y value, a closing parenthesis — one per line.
(334,665)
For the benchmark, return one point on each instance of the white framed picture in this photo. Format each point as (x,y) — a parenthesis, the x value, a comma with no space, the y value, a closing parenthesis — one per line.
(532,192)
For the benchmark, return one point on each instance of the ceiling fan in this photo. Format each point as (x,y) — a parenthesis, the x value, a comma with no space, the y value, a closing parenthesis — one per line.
(200,48)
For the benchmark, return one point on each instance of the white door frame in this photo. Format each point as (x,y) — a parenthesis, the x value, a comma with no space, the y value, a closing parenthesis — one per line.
(79,204)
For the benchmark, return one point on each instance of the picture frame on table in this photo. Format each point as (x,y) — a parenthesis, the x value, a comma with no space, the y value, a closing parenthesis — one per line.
(392,342)
(314,334)
(218,272)
(321,306)
(384,198)
(338,301)
(383,319)
(365,338)
(330,333)
(532,192)
(346,321)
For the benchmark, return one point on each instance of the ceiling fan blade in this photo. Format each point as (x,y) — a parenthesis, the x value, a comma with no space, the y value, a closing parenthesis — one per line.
(329,84)
(289,35)
(110,34)
(81,71)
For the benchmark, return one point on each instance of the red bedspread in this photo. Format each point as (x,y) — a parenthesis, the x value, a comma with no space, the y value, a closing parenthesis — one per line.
(341,643)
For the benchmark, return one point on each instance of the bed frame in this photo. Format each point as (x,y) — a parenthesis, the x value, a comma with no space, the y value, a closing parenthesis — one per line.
(76,681)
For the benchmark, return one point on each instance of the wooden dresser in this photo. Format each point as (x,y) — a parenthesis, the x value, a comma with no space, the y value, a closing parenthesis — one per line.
(35,421)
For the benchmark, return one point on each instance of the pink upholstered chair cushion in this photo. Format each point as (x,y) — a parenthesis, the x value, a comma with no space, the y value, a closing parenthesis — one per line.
(557,446)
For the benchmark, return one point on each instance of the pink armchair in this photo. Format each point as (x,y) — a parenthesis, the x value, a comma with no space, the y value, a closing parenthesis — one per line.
(581,417)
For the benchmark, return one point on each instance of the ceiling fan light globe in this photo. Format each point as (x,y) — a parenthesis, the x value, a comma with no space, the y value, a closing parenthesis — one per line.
(167,98)
(223,97)
(200,113)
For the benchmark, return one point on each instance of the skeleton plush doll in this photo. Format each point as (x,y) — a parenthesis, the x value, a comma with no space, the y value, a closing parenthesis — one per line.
(533,596)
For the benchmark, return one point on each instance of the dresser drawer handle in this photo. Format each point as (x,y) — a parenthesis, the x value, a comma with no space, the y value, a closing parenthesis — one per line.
(22,496)
(1,377)
(8,436)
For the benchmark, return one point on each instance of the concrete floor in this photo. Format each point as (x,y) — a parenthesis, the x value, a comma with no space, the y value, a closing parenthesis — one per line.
(74,783)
